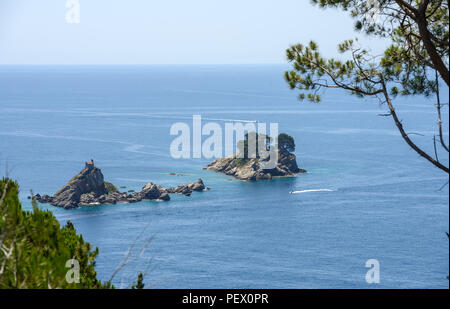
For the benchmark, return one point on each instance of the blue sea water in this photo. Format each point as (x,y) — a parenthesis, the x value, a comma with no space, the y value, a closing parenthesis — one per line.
(386,202)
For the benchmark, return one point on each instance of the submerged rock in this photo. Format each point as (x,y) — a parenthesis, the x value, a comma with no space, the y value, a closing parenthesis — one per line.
(89,188)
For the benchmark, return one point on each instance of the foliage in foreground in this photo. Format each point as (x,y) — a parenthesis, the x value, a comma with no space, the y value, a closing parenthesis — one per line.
(34,248)
(416,62)
(139,285)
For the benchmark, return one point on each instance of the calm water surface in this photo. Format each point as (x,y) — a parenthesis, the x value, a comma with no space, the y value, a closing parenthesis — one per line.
(385,203)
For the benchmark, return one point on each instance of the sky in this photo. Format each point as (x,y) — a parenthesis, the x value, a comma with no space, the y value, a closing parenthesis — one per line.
(168,32)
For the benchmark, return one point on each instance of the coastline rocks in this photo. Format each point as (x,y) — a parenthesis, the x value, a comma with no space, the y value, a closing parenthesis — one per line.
(189,188)
(45,198)
(250,169)
(151,191)
(88,188)
(87,199)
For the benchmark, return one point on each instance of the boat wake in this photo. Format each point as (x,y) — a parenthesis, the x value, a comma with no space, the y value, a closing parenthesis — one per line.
(311,190)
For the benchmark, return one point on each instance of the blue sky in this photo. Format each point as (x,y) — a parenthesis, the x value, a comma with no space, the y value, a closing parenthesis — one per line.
(167,31)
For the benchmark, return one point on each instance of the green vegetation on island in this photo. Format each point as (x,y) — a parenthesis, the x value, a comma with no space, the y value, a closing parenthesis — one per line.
(111,188)
(249,164)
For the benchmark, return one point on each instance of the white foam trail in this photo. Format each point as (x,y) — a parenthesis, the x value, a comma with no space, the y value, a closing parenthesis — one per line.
(311,190)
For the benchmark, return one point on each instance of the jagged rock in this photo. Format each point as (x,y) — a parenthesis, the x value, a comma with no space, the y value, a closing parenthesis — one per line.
(89,180)
(197,186)
(187,189)
(164,196)
(45,198)
(250,169)
(87,199)
(151,191)
(89,188)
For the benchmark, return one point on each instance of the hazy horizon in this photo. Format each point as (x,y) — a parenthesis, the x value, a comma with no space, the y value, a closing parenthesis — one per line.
(175,32)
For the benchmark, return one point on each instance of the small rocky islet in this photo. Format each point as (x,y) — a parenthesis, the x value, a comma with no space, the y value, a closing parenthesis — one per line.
(88,188)
(250,169)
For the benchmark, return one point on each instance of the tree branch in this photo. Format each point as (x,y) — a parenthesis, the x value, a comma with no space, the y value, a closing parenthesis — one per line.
(426,36)
(438,107)
(407,8)
(406,137)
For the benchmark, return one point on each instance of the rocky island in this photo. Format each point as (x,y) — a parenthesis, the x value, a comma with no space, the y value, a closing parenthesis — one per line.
(88,188)
(249,168)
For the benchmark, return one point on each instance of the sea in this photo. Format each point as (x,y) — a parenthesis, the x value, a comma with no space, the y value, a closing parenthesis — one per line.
(367,203)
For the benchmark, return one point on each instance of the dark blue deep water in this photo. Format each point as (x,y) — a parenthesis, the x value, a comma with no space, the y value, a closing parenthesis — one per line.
(385,204)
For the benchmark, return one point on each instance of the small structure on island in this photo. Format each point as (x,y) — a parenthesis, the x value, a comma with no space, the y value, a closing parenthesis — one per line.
(88,188)
(89,164)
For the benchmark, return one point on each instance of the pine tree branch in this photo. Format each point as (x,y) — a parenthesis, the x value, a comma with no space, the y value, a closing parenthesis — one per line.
(405,135)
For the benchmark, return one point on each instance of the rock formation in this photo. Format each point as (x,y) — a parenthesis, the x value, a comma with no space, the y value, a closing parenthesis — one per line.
(89,188)
(188,189)
(250,169)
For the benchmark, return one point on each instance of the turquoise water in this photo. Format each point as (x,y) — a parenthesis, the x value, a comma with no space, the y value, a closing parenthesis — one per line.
(385,204)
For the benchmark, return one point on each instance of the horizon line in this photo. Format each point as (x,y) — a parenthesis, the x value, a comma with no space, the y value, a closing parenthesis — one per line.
(109,64)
